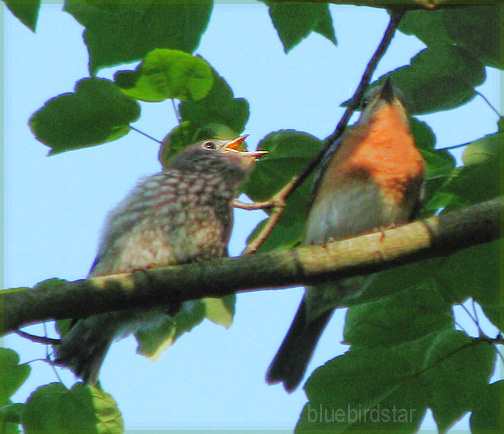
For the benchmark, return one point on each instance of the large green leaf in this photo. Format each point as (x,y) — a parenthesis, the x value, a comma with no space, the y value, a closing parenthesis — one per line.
(478,29)
(440,77)
(125,30)
(97,112)
(167,74)
(295,21)
(26,10)
(54,408)
(218,107)
(392,387)
(219,114)
(488,416)
(479,179)
(475,28)
(414,309)
(12,374)
(428,26)
(457,368)
(367,389)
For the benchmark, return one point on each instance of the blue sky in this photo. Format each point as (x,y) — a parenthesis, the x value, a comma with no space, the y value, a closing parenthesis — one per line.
(54,207)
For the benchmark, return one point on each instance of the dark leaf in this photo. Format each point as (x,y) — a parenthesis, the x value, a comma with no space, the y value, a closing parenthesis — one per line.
(26,10)
(96,113)
(126,31)
(295,21)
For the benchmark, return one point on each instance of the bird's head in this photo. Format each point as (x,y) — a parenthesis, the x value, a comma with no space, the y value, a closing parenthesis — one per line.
(226,157)
(232,150)
(383,100)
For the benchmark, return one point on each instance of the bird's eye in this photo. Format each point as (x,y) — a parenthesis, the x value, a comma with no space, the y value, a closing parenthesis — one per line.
(209,145)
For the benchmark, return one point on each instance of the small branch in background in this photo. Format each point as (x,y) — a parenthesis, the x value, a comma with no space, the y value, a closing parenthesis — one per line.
(488,102)
(38,339)
(177,113)
(278,201)
(145,134)
(252,206)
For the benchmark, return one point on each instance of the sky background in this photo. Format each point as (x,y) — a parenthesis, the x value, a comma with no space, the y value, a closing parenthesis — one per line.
(55,206)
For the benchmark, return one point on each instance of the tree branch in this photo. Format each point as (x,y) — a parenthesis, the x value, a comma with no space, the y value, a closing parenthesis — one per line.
(437,236)
(389,4)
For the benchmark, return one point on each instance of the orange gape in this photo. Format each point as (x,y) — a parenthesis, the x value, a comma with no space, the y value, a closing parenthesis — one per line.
(373,178)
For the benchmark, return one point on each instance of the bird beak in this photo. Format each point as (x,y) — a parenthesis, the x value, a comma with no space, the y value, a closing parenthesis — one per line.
(387,91)
(236,146)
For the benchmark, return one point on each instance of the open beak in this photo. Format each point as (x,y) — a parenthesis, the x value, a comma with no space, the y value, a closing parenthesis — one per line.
(236,146)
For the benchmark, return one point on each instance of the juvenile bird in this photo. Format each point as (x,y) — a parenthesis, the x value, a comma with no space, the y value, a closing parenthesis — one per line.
(181,215)
(370,179)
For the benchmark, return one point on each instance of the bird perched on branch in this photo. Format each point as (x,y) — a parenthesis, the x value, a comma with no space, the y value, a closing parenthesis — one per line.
(372,178)
(181,215)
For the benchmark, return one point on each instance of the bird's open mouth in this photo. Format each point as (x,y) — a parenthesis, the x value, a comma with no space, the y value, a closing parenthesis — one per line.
(236,146)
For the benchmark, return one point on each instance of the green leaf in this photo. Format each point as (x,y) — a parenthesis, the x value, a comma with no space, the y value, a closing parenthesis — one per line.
(414,310)
(219,114)
(438,78)
(109,417)
(125,31)
(479,179)
(392,387)
(152,342)
(167,74)
(458,369)
(10,418)
(488,416)
(428,26)
(440,165)
(289,153)
(366,390)
(26,10)
(12,374)
(477,28)
(474,273)
(295,21)
(96,113)
(220,310)
(54,408)
(218,107)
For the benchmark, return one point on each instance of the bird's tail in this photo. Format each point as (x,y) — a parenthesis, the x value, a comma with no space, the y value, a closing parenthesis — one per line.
(84,347)
(289,365)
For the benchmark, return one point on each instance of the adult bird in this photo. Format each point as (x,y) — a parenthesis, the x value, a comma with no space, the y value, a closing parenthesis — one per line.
(181,215)
(372,178)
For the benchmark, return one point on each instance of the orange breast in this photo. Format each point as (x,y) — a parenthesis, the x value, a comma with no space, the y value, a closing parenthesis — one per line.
(383,152)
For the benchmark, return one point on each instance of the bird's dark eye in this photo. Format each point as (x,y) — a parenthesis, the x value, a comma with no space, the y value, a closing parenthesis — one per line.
(209,145)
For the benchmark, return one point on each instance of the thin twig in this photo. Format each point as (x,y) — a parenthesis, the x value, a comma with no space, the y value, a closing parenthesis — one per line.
(476,315)
(252,206)
(146,135)
(177,113)
(39,339)
(488,102)
(278,201)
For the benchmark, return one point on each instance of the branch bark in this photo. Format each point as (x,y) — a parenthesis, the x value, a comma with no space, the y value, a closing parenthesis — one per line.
(434,237)
(389,4)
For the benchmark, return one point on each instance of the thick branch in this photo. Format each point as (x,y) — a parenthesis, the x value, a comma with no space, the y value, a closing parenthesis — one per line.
(391,4)
(437,236)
